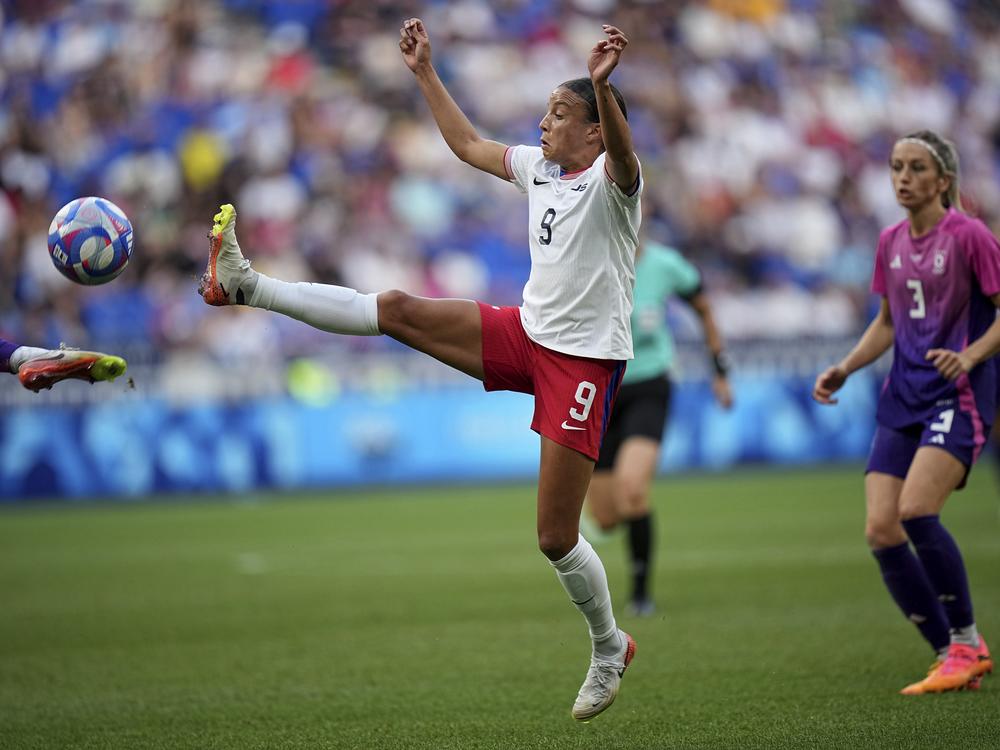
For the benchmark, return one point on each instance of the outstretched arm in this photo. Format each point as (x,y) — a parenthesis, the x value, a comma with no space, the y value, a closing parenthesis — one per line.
(872,345)
(713,342)
(458,132)
(621,162)
(951,364)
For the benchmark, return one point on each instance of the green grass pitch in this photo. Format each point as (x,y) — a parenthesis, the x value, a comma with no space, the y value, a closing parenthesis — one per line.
(427,619)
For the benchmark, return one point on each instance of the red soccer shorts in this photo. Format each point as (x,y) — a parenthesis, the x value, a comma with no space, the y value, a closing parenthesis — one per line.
(573,395)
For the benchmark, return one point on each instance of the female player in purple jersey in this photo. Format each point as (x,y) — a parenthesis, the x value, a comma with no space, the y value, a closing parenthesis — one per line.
(42,368)
(938,273)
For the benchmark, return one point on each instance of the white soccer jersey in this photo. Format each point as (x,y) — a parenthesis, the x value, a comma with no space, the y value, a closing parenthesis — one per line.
(583,232)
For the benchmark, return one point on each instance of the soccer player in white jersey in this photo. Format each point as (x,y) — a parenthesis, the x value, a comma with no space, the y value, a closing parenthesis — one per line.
(39,368)
(567,344)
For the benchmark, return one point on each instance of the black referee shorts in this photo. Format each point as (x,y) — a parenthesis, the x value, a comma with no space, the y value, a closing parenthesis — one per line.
(641,409)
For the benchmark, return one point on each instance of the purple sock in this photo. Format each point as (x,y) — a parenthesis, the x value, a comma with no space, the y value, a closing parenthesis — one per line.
(6,350)
(941,559)
(911,589)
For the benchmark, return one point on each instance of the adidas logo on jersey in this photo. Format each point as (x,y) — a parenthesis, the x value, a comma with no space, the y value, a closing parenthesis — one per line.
(896,263)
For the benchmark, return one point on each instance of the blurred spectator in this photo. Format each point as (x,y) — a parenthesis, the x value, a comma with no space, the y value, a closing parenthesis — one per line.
(763,128)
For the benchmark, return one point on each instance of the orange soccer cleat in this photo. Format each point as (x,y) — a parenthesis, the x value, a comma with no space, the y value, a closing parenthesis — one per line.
(962,669)
(227,271)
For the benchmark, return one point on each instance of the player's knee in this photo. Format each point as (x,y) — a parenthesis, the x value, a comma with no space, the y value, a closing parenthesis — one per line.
(394,310)
(914,509)
(633,499)
(555,544)
(606,520)
(603,512)
(884,532)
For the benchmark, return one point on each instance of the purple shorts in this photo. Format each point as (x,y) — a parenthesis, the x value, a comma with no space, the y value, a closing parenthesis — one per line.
(958,432)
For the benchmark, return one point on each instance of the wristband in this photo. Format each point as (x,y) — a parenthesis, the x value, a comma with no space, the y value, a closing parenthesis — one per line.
(722,364)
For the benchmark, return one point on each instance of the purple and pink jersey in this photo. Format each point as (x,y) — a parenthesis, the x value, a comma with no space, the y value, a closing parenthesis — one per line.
(939,288)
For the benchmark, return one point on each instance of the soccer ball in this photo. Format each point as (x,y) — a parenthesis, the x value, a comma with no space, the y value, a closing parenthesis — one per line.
(90,240)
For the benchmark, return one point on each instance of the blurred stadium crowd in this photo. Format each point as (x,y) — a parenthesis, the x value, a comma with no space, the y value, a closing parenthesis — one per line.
(763,126)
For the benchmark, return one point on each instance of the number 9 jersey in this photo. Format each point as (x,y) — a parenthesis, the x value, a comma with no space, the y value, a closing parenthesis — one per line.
(583,233)
(938,287)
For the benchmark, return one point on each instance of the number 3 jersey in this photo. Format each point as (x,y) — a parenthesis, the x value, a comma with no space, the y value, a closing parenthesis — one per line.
(583,232)
(939,288)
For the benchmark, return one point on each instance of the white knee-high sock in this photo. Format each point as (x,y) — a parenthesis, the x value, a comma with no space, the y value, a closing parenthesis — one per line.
(581,573)
(335,309)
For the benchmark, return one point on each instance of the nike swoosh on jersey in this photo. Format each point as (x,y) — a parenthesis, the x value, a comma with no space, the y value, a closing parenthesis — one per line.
(546,182)
(567,426)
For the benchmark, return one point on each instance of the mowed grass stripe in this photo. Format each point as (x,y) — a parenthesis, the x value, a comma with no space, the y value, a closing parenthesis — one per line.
(427,619)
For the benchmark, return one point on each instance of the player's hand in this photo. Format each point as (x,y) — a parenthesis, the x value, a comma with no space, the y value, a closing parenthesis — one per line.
(950,364)
(829,382)
(723,393)
(606,54)
(415,44)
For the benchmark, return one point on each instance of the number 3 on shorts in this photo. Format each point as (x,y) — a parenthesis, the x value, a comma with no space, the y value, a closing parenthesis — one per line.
(945,419)
(585,393)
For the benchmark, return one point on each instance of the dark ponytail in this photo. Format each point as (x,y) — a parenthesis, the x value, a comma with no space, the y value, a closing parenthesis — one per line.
(584,88)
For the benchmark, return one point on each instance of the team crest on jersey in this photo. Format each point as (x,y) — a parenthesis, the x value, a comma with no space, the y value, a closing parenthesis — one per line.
(940,257)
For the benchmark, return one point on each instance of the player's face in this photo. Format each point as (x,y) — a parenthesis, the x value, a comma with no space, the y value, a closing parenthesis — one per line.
(566,129)
(916,177)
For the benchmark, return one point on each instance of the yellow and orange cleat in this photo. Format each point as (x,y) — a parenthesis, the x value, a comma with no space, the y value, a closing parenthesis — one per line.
(227,269)
(65,363)
(962,669)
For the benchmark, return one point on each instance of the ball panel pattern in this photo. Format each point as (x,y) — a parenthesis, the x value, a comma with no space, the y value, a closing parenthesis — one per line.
(90,240)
